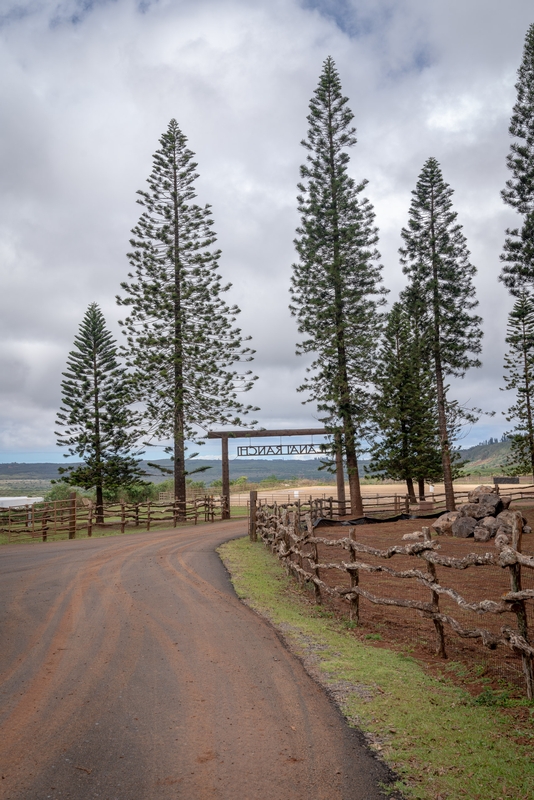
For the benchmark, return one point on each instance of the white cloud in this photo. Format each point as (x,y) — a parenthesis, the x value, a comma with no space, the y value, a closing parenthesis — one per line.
(88,88)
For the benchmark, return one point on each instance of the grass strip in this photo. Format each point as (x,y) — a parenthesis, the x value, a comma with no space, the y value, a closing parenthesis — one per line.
(441,743)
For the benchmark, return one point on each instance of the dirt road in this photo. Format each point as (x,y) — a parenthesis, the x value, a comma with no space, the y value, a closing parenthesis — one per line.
(129,670)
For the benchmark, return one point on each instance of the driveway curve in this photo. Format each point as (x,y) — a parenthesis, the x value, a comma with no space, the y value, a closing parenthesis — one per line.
(129,670)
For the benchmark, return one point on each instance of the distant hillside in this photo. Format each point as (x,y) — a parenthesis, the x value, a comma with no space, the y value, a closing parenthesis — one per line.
(482,459)
(485,458)
(254,469)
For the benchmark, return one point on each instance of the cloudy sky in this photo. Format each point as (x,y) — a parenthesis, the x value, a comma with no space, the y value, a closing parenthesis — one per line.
(87,88)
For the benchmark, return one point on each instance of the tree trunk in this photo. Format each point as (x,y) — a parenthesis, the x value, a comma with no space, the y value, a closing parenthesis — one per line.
(340,476)
(179,433)
(421,485)
(444,439)
(343,388)
(410,487)
(179,464)
(528,399)
(356,503)
(99,509)
(98,443)
(440,387)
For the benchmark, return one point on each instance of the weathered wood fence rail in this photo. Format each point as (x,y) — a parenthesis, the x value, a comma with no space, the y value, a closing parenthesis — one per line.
(297,545)
(378,505)
(72,518)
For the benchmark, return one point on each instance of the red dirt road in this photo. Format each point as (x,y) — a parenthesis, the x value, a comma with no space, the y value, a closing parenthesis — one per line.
(129,670)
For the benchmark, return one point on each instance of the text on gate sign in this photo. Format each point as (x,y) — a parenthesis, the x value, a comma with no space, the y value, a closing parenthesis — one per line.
(279,450)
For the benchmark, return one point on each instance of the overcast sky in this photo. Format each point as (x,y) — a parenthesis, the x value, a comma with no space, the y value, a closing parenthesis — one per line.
(89,86)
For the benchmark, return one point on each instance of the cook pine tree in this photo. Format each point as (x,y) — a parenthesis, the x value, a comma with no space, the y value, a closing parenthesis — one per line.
(408,447)
(96,421)
(519,378)
(518,252)
(336,289)
(437,262)
(182,344)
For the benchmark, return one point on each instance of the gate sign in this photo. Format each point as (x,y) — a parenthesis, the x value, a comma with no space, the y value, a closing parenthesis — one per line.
(280,450)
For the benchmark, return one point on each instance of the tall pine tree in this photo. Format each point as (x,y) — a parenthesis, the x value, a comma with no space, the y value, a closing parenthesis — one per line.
(335,287)
(405,409)
(518,255)
(436,260)
(519,365)
(180,337)
(97,422)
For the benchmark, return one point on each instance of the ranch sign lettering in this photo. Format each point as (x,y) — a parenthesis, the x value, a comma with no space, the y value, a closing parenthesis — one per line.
(280,450)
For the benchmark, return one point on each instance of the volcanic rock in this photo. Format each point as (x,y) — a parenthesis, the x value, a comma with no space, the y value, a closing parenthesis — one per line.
(492,503)
(443,525)
(476,493)
(483,534)
(463,527)
(474,510)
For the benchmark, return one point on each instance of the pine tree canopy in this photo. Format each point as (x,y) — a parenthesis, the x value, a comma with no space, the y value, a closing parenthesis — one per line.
(518,255)
(96,422)
(519,365)
(336,286)
(181,341)
(405,408)
(436,260)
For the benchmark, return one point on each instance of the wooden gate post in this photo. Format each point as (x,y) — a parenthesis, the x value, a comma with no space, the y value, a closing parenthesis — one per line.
(520,608)
(354,581)
(225,509)
(438,624)
(90,519)
(72,515)
(252,516)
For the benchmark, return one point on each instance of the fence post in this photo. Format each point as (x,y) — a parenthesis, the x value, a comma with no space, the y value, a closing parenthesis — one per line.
(44,520)
(316,588)
(90,519)
(72,515)
(519,606)
(253,535)
(354,581)
(148,516)
(407,504)
(438,625)
(123,520)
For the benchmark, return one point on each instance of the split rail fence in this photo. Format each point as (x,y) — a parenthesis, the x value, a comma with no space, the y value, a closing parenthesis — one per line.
(298,545)
(380,505)
(74,518)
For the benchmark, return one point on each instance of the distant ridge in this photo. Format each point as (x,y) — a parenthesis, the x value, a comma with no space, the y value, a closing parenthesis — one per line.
(484,459)
(253,469)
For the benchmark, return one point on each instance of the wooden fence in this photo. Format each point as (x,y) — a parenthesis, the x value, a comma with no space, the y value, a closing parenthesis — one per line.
(379,506)
(72,518)
(383,505)
(297,545)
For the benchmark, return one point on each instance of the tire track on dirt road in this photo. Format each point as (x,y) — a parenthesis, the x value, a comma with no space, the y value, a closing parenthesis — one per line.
(131,671)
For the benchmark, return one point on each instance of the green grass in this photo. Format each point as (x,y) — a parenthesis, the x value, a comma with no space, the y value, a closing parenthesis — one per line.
(440,741)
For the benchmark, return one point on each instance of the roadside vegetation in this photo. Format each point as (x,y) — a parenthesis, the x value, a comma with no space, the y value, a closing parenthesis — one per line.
(442,742)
